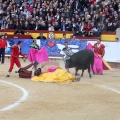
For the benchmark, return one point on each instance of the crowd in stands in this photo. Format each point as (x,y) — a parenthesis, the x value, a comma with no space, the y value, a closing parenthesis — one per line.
(85,17)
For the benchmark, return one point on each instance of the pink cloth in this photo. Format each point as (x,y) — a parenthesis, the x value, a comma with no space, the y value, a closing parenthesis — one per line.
(41,55)
(31,55)
(52,69)
(98,63)
(38,55)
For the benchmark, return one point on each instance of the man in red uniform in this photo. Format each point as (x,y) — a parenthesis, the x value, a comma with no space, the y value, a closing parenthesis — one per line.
(99,48)
(3,45)
(16,51)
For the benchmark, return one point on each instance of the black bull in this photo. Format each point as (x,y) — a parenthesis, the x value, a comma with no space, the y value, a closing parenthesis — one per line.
(81,60)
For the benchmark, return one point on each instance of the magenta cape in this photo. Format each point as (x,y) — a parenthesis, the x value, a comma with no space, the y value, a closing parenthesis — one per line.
(99,65)
(38,55)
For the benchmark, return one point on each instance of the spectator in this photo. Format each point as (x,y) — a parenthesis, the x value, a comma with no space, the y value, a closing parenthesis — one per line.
(109,26)
(11,25)
(93,30)
(37,26)
(77,33)
(68,15)
(44,26)
(19,32)
(41,37)
(63,26)
(73,37)
(64,37)
(114,27)
(26,26)
(50,27)
(27,33)
(4,25)
(69,26)
(56,26)
(32,25)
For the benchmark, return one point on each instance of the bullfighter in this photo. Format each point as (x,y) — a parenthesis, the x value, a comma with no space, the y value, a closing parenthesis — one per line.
(14,59)
(99,48)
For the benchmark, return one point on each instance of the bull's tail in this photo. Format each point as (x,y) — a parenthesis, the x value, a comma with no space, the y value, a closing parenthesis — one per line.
(92,61)
(92,64)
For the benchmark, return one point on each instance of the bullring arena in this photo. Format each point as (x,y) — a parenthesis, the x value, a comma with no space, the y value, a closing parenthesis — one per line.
(88,99)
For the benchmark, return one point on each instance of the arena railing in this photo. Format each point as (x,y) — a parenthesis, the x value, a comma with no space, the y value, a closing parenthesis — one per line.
(109,36)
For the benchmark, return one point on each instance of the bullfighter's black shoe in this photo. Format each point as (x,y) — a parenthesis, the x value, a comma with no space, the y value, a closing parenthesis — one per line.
(7,76)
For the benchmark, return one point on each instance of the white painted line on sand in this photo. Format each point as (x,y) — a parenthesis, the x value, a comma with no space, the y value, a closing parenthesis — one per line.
(23,98)
(109,88)
(105,87)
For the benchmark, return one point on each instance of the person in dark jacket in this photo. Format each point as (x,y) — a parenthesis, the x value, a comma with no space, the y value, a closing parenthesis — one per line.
(41,36)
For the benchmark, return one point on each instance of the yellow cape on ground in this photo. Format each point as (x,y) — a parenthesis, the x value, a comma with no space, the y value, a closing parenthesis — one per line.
(59,75)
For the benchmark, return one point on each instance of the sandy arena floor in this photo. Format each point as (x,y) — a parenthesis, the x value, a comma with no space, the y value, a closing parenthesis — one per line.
(89,99)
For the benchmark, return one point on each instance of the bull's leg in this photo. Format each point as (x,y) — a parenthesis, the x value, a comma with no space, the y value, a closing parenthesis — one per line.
(89,72)
(82,72)
(76,71)
(92,69)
